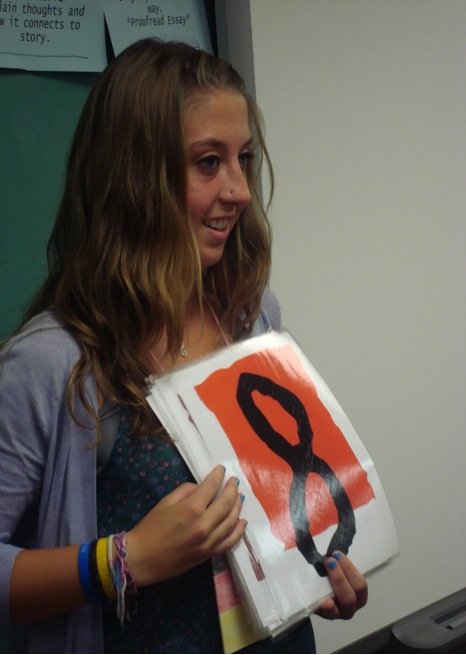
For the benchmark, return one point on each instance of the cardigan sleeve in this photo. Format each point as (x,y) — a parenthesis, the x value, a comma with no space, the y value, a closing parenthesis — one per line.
(270,315)
(35,433)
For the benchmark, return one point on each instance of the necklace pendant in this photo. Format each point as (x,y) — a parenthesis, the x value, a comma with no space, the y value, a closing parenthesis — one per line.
(183,351)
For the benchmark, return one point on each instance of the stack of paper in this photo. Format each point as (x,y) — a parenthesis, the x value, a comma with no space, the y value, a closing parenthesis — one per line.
(260,409)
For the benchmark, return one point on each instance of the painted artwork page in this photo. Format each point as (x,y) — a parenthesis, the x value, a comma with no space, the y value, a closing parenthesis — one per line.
(310,486)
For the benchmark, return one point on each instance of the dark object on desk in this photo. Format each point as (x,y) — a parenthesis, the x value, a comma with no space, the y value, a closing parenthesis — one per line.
(437,628)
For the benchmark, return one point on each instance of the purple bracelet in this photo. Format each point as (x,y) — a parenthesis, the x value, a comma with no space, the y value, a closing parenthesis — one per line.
(123,580)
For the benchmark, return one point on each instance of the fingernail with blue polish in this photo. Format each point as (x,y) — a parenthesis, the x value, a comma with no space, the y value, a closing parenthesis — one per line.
(336,555)
(331,564)
(242,498)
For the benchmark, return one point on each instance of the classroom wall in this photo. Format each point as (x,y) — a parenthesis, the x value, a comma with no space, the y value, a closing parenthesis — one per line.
(364,103)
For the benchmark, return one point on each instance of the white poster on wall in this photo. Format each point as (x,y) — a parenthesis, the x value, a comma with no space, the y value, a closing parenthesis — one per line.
(169,20)
(69,35)
(52,35)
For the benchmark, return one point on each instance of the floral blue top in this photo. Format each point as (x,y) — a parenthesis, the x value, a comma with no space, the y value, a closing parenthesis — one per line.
(179,615)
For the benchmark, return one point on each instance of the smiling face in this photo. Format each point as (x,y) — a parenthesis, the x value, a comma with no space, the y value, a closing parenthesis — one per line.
(219,147)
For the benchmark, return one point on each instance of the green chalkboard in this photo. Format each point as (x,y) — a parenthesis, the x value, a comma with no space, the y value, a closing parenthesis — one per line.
(38,114)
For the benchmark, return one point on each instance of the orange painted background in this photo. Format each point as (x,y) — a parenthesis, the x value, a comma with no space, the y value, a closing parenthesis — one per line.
(268,474)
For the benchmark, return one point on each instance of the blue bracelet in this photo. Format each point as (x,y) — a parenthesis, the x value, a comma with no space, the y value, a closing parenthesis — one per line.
(85,574)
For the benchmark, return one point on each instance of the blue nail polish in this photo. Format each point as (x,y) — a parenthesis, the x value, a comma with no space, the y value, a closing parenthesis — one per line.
(331,564)
(336,555)
(237,481)
(242,498)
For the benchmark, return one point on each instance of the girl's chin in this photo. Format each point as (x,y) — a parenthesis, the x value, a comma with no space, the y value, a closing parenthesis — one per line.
(210,259)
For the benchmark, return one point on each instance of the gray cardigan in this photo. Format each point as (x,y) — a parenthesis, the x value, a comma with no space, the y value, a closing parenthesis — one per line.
(48,470)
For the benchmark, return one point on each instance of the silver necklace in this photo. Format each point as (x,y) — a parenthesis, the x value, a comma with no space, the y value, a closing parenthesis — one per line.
(183,349)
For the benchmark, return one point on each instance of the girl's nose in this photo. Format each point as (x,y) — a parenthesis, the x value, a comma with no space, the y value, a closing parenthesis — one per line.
(237,188)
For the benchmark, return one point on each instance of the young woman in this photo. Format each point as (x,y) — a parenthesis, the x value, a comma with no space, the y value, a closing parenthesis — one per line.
(160,254)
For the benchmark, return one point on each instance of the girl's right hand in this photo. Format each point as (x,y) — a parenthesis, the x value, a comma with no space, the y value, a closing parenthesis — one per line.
(190,525)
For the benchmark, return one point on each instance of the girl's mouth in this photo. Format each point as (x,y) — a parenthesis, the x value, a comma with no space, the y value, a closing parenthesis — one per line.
(219,224)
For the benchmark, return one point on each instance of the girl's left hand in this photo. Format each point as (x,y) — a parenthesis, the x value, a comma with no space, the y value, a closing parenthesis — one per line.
(349,586)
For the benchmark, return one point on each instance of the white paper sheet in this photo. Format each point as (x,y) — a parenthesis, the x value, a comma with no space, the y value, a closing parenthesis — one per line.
(177,20)
(302,468)
(52,35)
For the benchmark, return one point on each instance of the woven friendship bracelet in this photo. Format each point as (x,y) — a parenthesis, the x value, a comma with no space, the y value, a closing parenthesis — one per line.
(123,580)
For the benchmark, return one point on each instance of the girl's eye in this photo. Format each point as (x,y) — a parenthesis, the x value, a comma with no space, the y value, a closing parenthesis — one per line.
(245,158)
(209,163)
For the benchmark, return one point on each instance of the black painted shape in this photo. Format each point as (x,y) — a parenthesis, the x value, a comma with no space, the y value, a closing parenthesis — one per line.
(302,461)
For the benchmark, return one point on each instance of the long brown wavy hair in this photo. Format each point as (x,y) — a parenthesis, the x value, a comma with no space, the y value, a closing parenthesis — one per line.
(123,260)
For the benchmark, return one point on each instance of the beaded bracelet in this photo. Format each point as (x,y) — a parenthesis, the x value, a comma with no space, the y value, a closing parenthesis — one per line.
(123,580)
